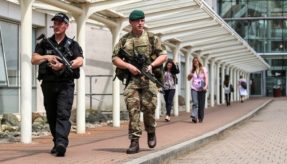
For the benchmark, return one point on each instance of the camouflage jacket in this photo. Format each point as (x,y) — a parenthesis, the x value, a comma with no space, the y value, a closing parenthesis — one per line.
(142,45)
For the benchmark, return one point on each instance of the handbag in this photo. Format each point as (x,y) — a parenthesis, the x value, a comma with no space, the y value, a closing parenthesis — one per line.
(202,84)
(231,88)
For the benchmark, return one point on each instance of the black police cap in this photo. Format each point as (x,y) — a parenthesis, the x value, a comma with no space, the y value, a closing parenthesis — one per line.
(61,17)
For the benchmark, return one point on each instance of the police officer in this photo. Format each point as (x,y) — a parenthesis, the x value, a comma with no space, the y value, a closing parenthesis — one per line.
(140,93)
(57,82)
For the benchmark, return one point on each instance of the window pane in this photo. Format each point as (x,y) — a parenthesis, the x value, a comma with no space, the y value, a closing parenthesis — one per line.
(10,37)
(239,9)
(225,9)
(284,8)
(241,27)
(257,8)
(3,70)
(275,8)
(285,30)
(277,26)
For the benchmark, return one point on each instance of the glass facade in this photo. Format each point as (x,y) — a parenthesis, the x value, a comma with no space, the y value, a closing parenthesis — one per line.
(276,76)
(10,88)
(263,24)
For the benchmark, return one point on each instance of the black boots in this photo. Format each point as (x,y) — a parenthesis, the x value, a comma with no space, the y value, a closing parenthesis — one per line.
(60,150)
(134,147)
(151,140)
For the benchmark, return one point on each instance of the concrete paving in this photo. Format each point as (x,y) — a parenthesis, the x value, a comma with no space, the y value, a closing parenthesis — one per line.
(262,139)
(108,144)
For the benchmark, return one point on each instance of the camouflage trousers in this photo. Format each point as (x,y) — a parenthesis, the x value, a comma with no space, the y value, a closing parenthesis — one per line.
(141,100)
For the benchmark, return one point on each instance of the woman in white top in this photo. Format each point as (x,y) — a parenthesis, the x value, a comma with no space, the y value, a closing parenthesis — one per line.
(199,84)
(242,88)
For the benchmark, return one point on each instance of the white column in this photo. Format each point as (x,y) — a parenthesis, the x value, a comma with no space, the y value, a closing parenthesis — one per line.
(211,84)
(26,71)
(248,84)
(187,84)
(222,81)
(208,90)
(116,83)
(235,82)
(158,106)
(217,87)
(81,87)
(175,99)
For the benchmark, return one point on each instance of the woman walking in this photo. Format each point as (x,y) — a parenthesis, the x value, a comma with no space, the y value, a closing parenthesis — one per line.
(242,85)
(170,80)
(228,88)
(199,85)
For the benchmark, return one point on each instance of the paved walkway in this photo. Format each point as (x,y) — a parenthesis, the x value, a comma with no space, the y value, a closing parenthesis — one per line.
(261,139)
(108,145)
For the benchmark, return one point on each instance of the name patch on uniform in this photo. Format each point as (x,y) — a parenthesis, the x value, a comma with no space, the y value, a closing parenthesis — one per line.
(49,52)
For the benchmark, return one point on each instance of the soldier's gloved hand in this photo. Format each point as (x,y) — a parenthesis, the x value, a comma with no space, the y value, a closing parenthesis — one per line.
(133,70)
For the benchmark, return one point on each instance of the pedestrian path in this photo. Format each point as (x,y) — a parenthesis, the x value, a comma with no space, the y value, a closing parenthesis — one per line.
(261,139)
(108,144)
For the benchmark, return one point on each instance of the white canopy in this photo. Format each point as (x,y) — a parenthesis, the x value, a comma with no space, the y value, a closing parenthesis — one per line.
(186,23)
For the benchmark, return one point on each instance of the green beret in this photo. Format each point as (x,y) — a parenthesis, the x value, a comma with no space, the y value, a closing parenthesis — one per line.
(136,14)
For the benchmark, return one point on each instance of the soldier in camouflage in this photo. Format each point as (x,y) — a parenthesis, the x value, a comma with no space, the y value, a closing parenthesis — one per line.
(140,93)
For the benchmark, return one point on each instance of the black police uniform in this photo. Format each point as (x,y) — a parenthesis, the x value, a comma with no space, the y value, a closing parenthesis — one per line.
(58,89)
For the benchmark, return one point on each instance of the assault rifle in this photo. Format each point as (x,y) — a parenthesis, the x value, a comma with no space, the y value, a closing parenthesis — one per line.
(64,60)
(140,62)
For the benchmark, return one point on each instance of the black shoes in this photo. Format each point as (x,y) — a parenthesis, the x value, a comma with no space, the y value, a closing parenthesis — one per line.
(151,140)
(193,119)
(53,150)
(134,147)
(60,150)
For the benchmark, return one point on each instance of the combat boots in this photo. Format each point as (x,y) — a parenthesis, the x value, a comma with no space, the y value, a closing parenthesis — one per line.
(151,140)
(134,147)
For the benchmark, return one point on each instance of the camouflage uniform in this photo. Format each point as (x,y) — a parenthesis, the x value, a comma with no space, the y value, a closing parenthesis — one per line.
(140,94)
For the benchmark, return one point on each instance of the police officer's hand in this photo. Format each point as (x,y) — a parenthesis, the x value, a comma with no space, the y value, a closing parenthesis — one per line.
(56,65)
(133,70)
(76,62)
(50,58)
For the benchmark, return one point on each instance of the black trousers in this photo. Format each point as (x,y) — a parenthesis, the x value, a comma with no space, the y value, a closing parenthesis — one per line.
(227,98)
(58,101)
(168,97)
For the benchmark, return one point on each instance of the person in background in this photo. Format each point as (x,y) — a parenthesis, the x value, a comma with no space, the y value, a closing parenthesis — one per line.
(199,85)
(242,85)
(228,88)
(170,81)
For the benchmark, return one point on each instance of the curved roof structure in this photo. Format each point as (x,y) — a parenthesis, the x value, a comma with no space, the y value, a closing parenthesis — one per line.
(185,23)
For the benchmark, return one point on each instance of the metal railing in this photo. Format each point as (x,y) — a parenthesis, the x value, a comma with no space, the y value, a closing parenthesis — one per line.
(91,94)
